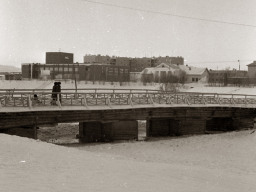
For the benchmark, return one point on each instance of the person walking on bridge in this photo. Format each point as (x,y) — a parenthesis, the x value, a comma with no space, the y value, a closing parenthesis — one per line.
(56,89)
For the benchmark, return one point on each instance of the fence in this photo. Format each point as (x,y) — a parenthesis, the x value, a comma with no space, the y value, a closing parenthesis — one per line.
(121,97)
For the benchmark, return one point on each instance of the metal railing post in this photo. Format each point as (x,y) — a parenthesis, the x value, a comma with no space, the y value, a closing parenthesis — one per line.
(85,100)
(203,99)
(58,100)
(130,100)
(29,102)
(108,102)
(151,99)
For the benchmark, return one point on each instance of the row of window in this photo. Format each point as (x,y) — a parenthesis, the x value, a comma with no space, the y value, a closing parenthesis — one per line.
(70,69)
(60,68)
(194,79)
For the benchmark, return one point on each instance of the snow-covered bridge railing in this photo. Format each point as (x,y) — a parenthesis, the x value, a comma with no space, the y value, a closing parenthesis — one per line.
(103,97)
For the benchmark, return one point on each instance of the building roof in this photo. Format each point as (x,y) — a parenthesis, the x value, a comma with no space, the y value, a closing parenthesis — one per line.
(192,70)
(161,67)
(152,70)
(227,71)
(167,65)
(252,64)
(173,67)
(60,53)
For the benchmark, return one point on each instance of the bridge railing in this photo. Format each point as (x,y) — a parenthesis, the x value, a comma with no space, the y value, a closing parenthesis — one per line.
(117,97)
(87,90)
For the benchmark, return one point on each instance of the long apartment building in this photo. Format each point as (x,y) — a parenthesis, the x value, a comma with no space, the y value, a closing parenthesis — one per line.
(134,64)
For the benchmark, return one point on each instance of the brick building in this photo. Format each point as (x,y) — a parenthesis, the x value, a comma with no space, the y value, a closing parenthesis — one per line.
(168,60)
(59,57)
(252,70)
(226,76)
(139,64)
(97,59)
(79,71)
(134,64)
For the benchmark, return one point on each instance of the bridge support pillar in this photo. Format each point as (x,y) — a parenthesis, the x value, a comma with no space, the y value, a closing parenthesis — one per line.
(105,131)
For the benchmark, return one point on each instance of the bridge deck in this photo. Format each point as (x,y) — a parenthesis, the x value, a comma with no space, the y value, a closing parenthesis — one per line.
(116,107)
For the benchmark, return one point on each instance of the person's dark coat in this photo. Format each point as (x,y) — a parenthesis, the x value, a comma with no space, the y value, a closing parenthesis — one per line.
(56,89)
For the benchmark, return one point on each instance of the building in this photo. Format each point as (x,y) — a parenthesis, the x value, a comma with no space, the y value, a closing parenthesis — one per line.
(122,61)
(168,60)
(175,73)
(103,72)
(78,71)
(134,64)
(252,70)
(59,57)
(226,76)
(195,74)
(89,59)
(139,64)
(161,73)
(13,76)
(10,73)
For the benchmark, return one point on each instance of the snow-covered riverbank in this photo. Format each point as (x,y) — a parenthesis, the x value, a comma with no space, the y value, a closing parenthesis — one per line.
(221,162)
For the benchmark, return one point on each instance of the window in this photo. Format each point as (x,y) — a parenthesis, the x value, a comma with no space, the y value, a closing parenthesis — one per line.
(65,68)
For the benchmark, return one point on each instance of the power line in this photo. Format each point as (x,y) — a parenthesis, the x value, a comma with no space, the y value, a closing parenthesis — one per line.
(231,61)
(170,14)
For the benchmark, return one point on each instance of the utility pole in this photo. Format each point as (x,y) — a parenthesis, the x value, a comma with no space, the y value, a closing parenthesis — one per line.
(239,64)
(74,76)
(31,69)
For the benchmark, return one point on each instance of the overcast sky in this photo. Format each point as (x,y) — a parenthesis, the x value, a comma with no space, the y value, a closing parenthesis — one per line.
(29,28)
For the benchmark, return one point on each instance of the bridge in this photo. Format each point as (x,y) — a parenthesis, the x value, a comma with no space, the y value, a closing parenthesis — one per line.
(110,114)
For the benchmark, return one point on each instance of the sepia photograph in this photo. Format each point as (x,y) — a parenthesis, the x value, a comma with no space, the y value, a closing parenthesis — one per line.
(127,95)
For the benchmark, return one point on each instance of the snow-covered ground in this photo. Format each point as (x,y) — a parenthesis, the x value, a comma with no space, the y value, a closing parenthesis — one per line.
(221,162)
(208,89)
(70,84)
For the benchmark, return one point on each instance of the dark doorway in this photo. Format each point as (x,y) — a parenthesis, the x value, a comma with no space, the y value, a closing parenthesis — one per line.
(219,124)
(163,127)
(96,131)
